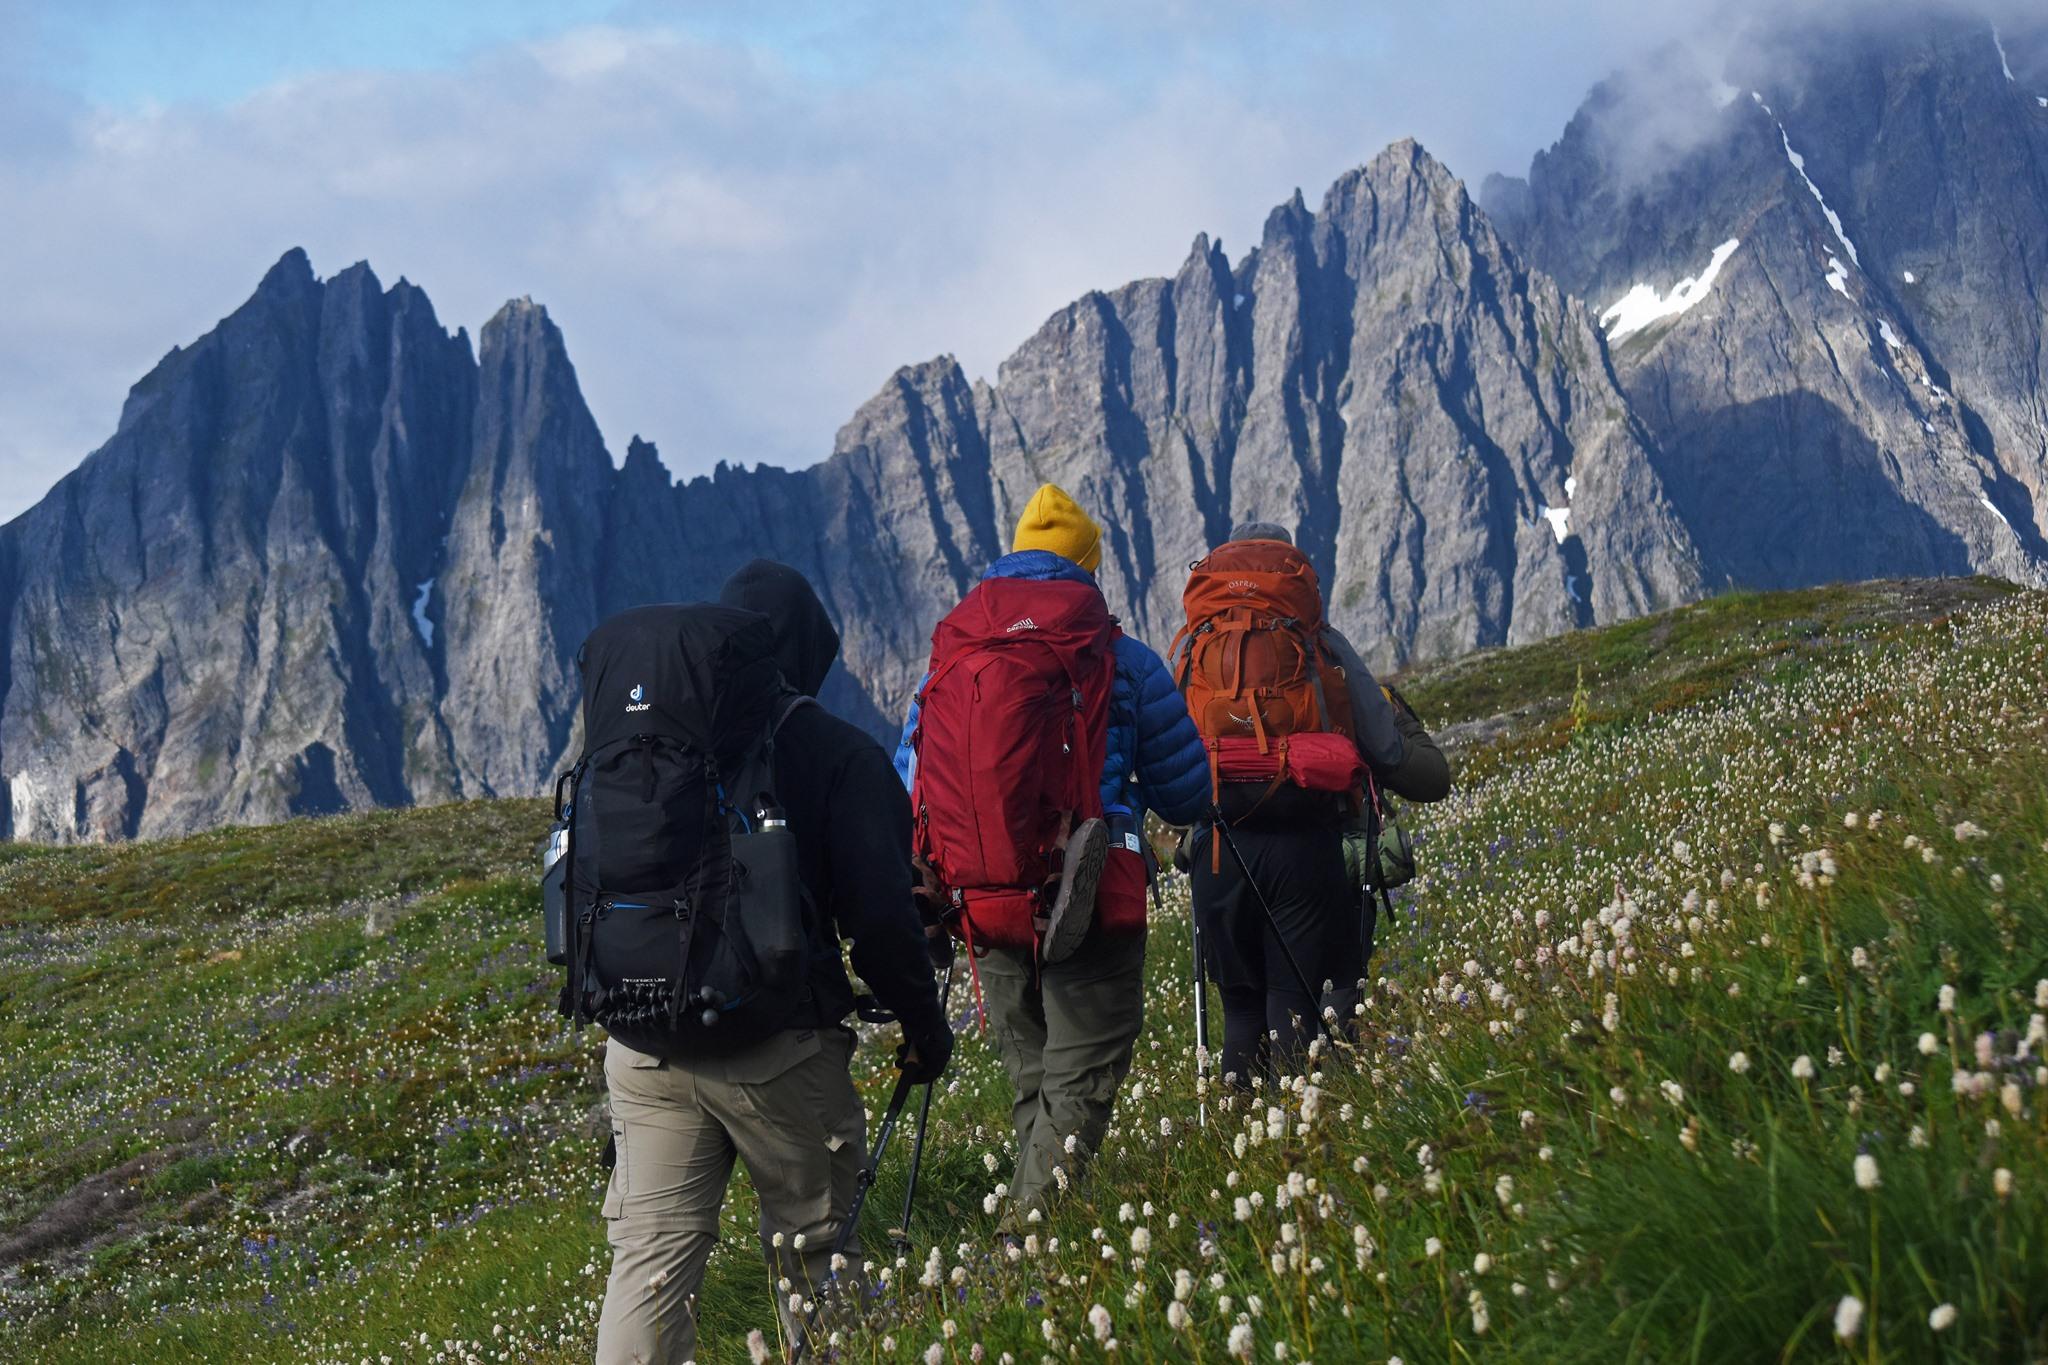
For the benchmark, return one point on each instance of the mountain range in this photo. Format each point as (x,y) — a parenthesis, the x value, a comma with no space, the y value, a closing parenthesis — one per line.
(1769,321)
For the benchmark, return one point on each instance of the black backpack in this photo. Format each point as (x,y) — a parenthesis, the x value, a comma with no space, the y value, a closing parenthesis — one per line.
(672,894)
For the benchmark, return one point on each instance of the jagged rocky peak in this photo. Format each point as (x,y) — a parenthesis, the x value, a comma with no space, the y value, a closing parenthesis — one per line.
(1369,376)
(252,529)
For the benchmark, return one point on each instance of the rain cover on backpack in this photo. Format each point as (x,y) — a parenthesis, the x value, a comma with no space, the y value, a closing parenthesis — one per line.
(1013,724)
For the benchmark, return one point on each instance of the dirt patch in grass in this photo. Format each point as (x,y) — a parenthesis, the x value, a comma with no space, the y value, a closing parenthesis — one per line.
(96,1205)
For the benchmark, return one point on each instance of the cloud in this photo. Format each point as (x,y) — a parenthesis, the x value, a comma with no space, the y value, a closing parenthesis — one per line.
(743,217)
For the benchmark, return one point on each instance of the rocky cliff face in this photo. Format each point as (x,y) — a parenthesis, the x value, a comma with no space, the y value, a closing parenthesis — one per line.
(208,620)
(1436,422)
(332,560)
(1826,299)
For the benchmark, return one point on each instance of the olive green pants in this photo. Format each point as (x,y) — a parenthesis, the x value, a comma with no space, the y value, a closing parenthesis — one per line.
(787,1108)
(1065,1032)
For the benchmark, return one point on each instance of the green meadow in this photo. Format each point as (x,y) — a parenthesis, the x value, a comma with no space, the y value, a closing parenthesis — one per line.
(1714,1029)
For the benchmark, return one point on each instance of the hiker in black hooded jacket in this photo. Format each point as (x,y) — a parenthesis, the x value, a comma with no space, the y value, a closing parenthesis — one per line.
(787,1106)
(840,781)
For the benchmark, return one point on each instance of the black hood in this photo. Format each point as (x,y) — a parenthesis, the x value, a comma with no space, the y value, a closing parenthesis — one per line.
(805,642)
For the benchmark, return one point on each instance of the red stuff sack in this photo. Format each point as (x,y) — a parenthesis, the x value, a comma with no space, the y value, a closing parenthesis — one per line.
(1320,761)
(1012,727)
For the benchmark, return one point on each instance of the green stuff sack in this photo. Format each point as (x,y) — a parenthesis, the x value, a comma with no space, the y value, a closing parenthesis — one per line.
(1396,864)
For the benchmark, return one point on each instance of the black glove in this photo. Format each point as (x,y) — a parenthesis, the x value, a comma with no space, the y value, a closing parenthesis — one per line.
(923,1059)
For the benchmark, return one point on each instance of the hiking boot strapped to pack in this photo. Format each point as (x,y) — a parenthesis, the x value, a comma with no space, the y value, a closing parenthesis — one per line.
(1010,738)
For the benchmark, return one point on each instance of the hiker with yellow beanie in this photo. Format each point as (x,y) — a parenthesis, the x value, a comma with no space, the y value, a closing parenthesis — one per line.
(1066,1016)
(1054,521)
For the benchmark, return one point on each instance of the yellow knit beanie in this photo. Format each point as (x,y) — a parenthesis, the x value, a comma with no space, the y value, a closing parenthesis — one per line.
(1053,521)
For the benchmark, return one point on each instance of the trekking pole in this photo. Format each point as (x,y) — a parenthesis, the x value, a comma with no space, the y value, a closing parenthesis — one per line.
(1315,997)
(866,1180)
(1201,1025)
(862,1183)
(924,1115)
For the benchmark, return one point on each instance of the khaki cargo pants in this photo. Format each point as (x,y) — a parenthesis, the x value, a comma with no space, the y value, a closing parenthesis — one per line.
(788,1109)
(1065,1032)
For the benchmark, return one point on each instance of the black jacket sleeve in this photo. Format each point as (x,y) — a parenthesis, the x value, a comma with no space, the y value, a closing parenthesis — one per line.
(868,852)
(1423,774)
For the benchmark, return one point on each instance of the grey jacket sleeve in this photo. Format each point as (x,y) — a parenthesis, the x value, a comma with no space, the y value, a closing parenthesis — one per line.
(1380,741)
(1423,774)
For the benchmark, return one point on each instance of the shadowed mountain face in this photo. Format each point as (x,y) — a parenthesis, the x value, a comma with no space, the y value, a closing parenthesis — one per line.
(1858,222)
(330,559)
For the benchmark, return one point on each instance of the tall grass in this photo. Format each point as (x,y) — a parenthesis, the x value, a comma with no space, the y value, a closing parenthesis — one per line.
(1668,974)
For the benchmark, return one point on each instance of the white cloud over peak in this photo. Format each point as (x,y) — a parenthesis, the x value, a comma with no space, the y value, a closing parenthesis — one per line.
(741,233)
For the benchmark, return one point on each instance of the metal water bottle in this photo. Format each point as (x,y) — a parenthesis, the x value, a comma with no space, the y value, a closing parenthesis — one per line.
(554,894)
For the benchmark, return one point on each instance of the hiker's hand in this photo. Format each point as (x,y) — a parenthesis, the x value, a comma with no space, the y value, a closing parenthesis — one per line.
(923,1060)
(938,945)
(928,893)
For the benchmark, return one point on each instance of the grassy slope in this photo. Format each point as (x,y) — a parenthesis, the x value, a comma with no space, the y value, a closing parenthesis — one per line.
(238,1127)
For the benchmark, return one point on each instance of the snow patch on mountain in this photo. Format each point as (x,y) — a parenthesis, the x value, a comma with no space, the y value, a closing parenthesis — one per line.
(1834,219)
(1643,305)
(1992,508)
(2003,64)
(1838,277)
(419,613)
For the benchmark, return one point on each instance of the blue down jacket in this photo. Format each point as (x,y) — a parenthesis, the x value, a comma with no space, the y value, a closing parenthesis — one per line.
(1155,757)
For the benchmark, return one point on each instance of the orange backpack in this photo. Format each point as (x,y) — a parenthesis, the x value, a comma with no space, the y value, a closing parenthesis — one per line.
(1251,660)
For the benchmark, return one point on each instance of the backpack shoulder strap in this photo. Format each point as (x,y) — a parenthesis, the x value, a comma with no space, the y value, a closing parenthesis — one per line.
(756,772)
(788,709)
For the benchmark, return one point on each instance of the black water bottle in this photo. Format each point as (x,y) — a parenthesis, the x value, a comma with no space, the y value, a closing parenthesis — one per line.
(771,897)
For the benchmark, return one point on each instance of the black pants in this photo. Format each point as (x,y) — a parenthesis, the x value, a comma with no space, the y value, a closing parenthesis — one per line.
(1268,1018)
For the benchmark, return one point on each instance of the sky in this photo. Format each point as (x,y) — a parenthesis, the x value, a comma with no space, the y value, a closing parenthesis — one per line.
(743,216)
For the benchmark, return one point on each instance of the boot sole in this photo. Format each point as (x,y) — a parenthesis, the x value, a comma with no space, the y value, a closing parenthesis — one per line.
(1073,909)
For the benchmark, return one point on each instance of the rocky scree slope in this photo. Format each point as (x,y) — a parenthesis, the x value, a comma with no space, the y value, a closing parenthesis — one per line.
(334,558)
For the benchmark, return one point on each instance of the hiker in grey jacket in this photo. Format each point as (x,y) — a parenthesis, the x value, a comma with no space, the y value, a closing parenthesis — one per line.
(1297,867)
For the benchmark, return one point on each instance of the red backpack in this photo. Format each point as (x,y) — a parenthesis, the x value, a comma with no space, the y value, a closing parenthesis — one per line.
(1012,727)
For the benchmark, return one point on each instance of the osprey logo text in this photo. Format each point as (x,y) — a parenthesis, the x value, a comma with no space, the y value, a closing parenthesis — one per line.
(636,704)
(1242,585)
(1026,624)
